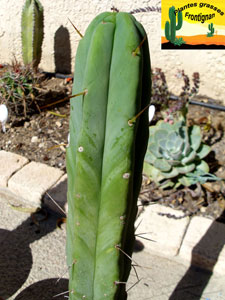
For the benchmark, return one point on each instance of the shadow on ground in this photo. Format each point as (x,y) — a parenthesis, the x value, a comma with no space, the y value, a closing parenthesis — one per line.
(45,290)
(195,280)
(15,253)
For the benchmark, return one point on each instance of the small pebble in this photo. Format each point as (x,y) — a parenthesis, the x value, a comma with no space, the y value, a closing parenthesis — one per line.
(41,145)
(34,139)
(58,124)
(26,124)
(50,131)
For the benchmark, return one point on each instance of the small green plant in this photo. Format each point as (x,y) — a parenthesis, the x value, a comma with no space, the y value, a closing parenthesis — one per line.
(171,27)
(17,89)
(212,30)
(32,32)
(108,140)
(179,41)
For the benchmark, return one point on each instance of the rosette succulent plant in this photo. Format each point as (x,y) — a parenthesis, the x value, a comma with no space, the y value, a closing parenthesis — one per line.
(175,154)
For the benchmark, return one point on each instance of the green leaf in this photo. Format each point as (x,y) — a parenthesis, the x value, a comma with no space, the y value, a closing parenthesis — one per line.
(173,173)
(153,173)
(154,148)
(167,184)
(202,177)
(185,181)
(162,165)
(195,136)
(176,155)
(186,168)
(162,144)
(160,134)
(203,150)
(149,157)
(189,158)
(203,166)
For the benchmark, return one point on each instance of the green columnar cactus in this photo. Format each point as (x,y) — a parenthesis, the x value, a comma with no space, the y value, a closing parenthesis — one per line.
(212,30)
(32,32)
(171,27)
(105,154)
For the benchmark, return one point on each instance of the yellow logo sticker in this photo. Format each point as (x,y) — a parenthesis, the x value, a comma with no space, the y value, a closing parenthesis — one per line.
(193,24)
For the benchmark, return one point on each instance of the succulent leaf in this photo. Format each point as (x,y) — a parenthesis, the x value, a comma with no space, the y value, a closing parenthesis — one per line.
(162,165)
(162,144)
(154,149)
(195,137)
(173,173)
(203,150)
(160,134)
(186,168)
(189,158)
(149,157)
(203,166)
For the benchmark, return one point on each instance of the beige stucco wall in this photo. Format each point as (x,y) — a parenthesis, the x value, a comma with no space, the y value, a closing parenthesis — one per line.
(210,64)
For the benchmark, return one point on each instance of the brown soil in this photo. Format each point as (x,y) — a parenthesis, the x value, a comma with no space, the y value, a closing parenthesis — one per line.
(42,137)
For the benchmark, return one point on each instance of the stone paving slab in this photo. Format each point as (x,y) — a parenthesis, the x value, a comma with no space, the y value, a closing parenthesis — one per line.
(9,164)
(11,198)
(166,232)
(59,194)
(204,244)
(33,180)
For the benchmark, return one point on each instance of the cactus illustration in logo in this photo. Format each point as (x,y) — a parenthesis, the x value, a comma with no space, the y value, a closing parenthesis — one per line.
(171,27)
(212,30)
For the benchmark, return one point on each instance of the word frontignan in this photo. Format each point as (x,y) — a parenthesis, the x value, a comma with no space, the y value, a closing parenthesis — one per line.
(200,17)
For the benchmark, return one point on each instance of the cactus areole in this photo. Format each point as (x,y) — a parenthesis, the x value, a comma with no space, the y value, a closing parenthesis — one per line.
(108,141)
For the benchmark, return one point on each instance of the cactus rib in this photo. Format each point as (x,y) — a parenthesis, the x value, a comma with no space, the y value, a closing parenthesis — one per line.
(32,32)
(105,155)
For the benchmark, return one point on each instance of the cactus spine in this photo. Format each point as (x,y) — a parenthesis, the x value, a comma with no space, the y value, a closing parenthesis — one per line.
(105,155)
(171,27)
(32,32)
